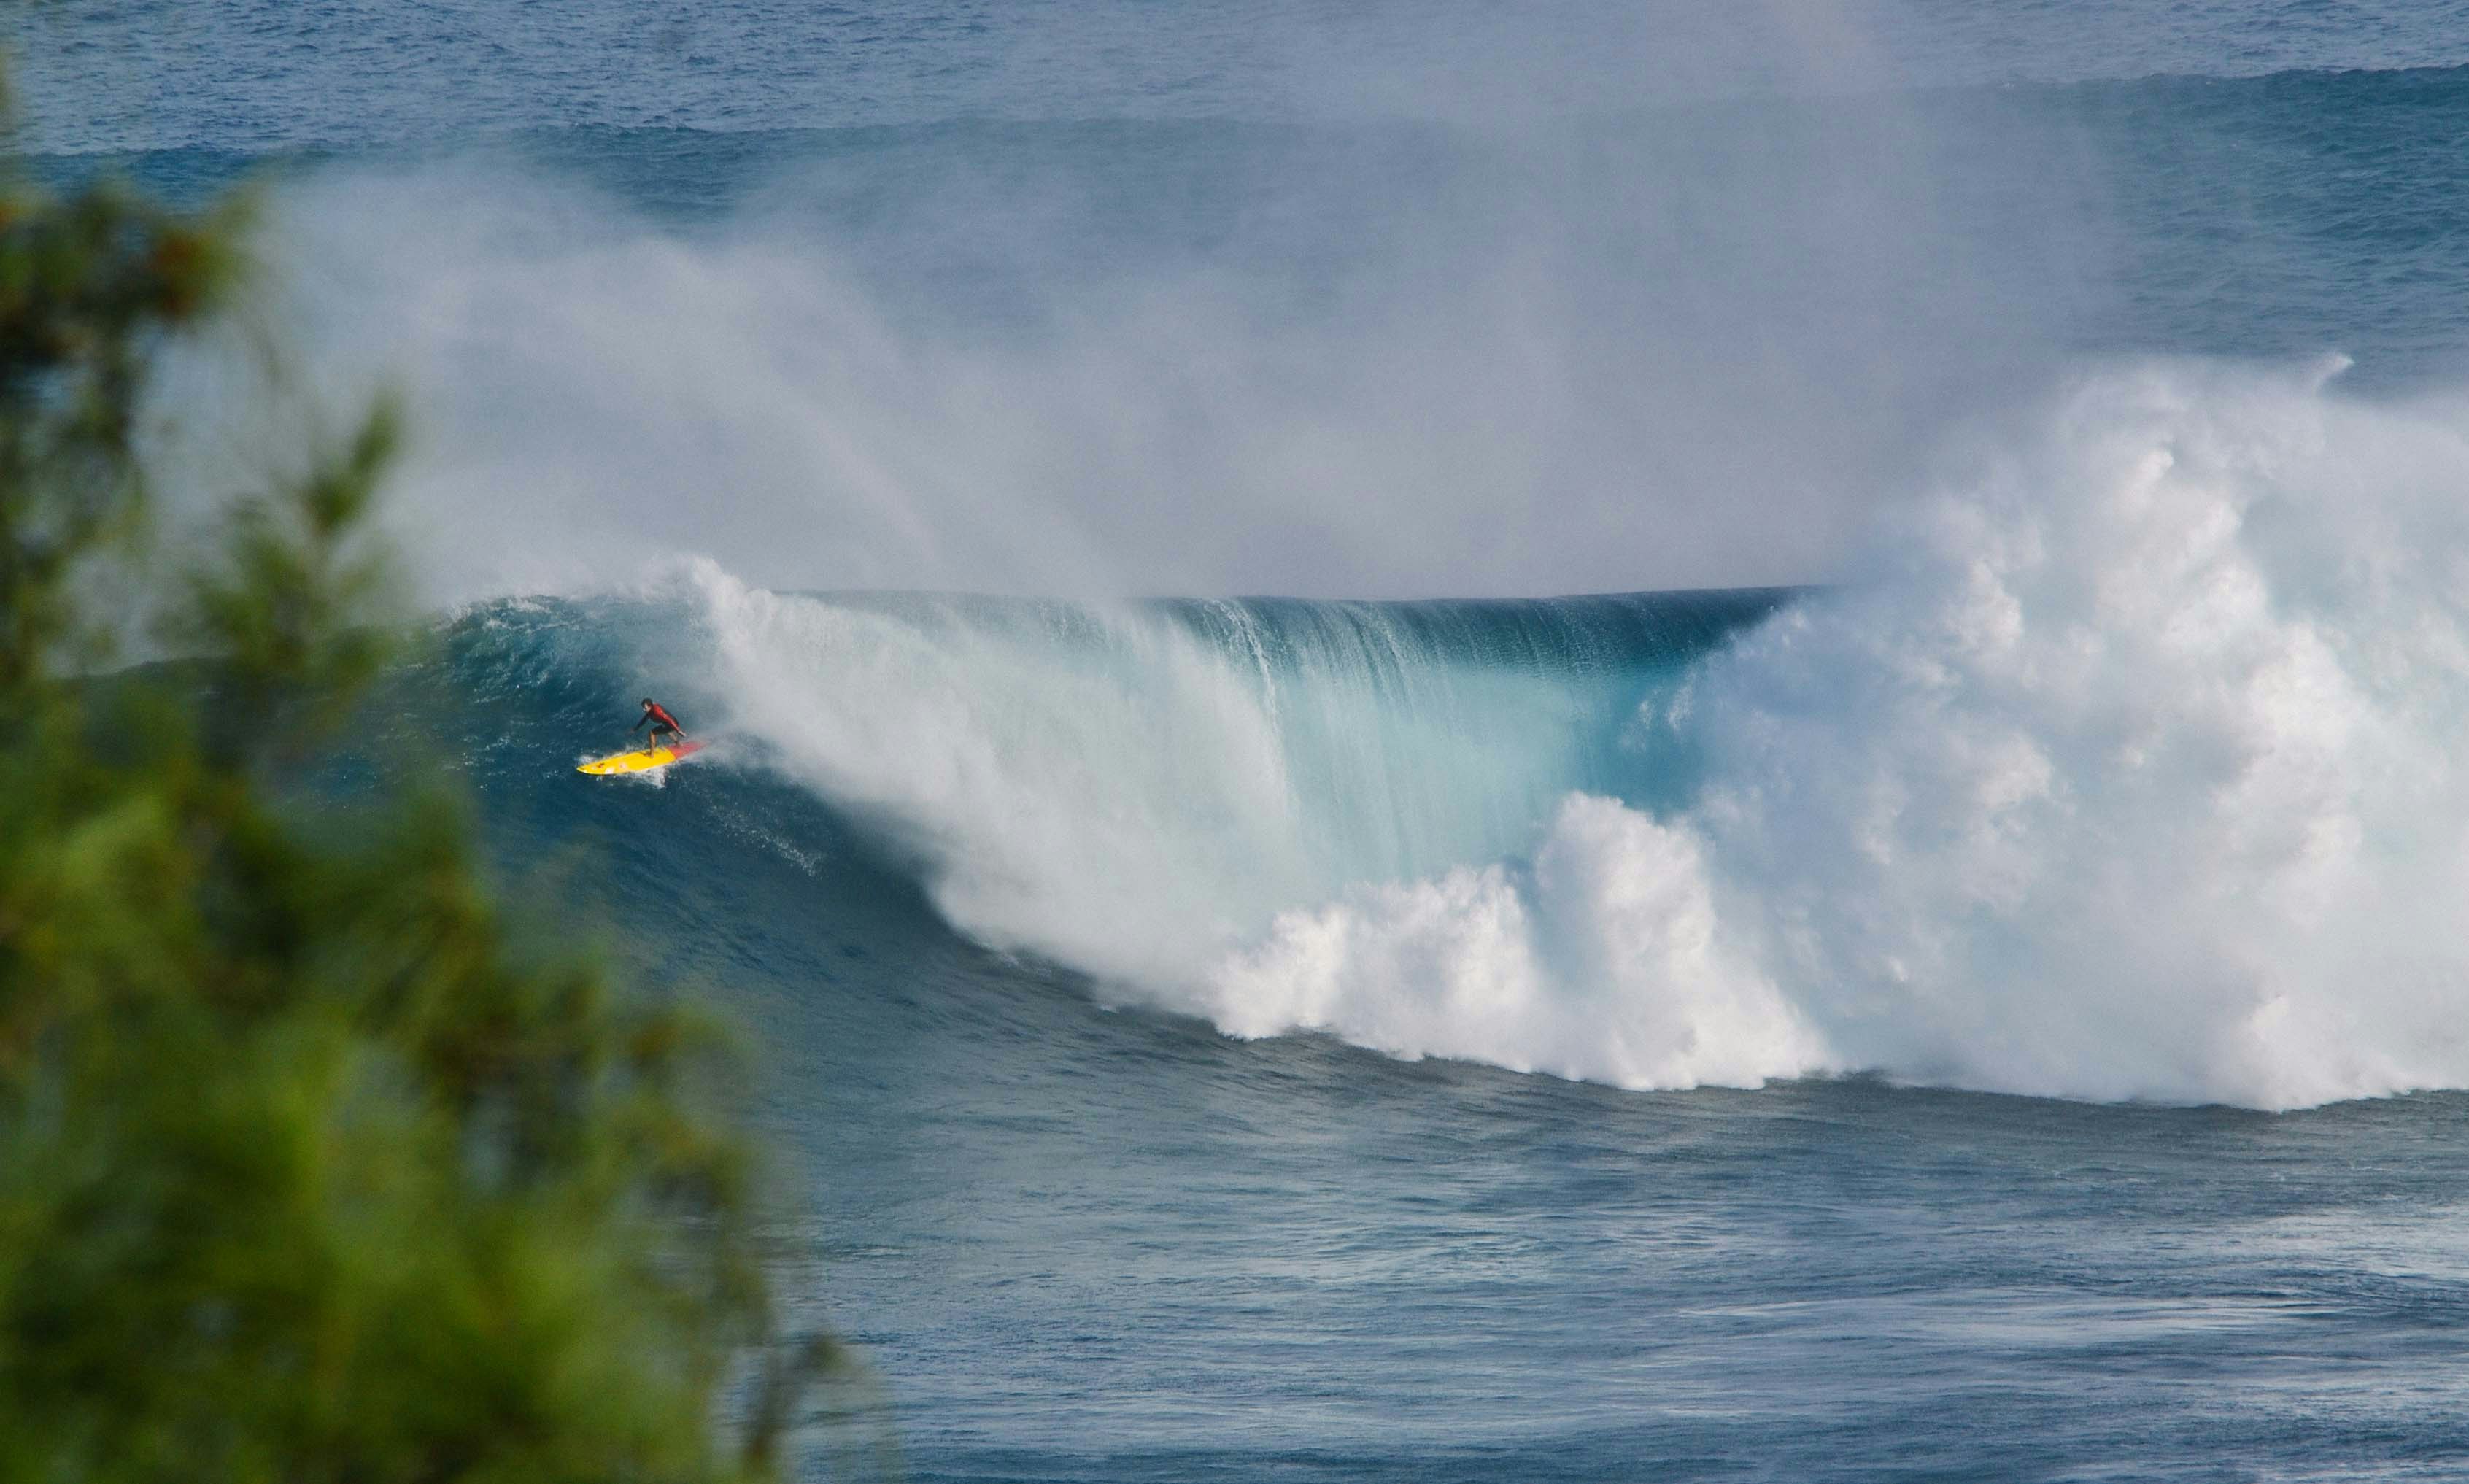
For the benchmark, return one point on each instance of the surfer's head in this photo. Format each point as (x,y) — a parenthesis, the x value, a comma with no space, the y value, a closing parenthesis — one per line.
(647,703)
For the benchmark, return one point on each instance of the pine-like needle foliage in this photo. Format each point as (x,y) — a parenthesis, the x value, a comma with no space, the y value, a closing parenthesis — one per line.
(305,1175)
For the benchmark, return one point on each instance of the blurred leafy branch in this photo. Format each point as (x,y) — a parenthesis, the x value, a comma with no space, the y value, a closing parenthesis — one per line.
(305,1173)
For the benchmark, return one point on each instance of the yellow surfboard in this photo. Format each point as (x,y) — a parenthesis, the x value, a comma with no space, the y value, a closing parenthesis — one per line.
(640,761)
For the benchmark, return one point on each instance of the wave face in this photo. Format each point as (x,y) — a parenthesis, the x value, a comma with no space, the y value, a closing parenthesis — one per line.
(1133,790)
(2127,769)
(1149,792)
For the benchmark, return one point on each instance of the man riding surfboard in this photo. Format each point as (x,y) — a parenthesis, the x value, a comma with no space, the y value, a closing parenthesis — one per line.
(663,725)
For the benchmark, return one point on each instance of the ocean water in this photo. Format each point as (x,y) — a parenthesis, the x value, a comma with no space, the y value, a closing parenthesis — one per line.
(1948,967)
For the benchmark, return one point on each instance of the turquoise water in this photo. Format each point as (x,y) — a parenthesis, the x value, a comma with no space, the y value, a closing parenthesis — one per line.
(1948,971)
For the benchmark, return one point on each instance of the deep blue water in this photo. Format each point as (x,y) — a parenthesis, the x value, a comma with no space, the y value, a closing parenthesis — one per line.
(1079,298)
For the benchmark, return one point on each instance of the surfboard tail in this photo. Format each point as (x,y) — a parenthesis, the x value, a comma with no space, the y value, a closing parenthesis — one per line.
(639,760)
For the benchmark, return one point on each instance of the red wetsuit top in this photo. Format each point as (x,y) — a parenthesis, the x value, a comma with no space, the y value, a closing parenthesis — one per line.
(660,714)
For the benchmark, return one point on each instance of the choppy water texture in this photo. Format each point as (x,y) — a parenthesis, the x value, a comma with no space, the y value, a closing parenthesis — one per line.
(1977,997)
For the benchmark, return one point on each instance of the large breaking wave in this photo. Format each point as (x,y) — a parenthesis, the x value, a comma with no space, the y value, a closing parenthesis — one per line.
(2131,767)
(2127,767)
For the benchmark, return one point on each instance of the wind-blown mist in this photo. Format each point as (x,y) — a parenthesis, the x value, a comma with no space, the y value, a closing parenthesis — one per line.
(1367,360)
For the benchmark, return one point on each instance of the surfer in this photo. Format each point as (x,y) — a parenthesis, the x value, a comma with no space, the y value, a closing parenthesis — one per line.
(663,725)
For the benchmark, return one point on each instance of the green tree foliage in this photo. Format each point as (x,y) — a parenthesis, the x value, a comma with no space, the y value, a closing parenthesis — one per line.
(306,1174)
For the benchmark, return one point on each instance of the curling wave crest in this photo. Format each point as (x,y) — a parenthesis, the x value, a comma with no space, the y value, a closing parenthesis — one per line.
(2127,765)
